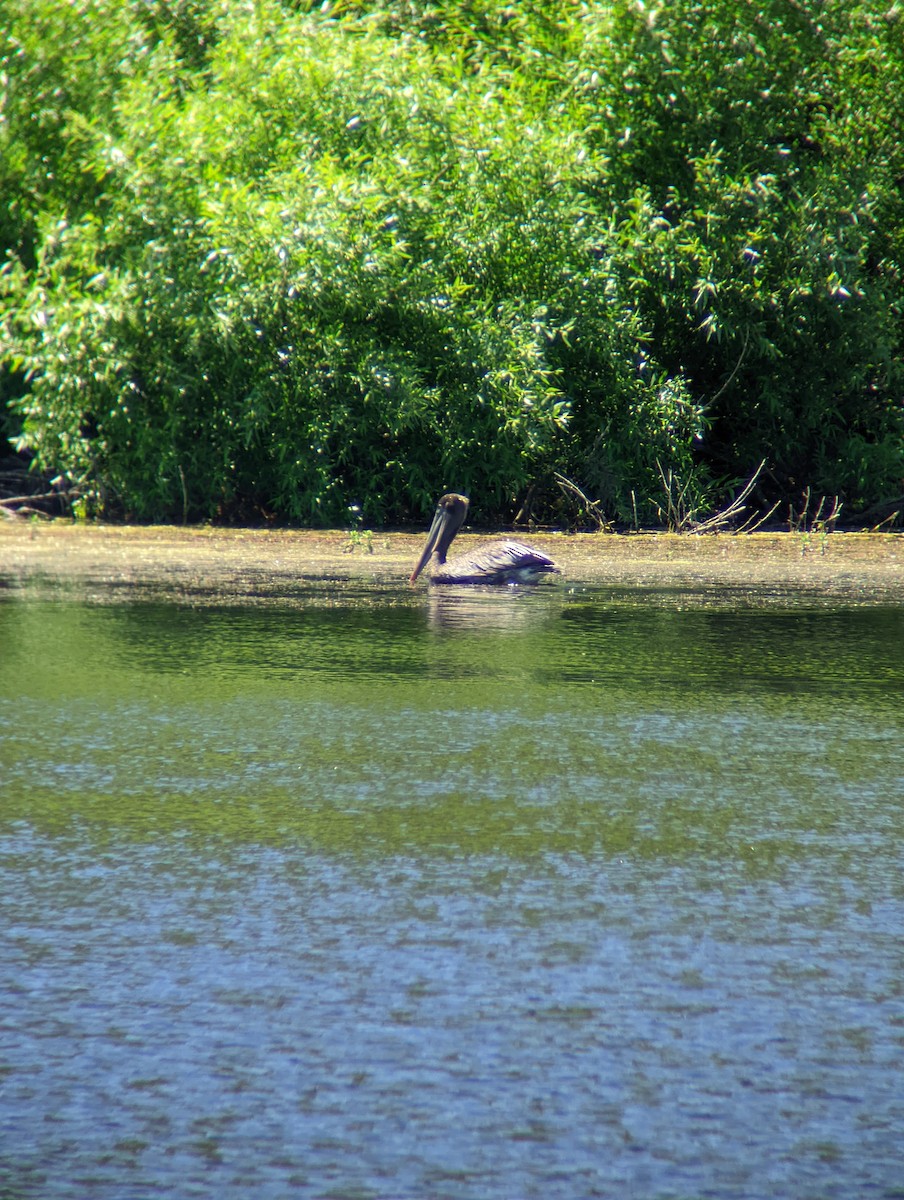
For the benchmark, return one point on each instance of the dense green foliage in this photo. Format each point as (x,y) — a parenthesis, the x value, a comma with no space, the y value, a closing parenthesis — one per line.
(273,258)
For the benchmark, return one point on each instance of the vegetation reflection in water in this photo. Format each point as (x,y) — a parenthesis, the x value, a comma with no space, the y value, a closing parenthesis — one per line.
(458,723)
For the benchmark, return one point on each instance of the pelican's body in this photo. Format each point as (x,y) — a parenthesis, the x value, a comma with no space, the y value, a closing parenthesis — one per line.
(494,563)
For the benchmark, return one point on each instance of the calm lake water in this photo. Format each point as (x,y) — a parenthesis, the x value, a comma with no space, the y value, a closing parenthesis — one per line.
(489,896)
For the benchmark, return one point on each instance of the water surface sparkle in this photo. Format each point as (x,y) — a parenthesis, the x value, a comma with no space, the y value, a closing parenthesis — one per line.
(532,894)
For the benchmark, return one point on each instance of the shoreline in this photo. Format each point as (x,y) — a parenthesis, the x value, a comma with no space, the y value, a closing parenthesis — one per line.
(232,563)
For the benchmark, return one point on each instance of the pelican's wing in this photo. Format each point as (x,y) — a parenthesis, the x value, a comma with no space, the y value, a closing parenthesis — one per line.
(497,562)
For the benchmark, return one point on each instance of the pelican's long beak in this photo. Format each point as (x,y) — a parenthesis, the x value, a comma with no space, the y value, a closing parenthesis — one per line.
(440,522)
(447,520)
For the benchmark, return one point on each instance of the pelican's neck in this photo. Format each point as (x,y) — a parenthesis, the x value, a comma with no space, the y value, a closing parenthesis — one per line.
(447,520)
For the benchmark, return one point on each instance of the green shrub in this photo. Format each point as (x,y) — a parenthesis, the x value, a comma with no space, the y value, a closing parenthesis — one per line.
(276,261)
(756,180)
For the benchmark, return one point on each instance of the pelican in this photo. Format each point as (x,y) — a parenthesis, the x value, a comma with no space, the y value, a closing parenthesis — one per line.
(496,562)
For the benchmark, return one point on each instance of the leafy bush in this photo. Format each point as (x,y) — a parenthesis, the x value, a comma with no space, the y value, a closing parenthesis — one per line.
(275,262)
(757,187)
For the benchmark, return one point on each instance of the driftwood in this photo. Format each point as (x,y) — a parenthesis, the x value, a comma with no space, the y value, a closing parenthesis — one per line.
(26,493)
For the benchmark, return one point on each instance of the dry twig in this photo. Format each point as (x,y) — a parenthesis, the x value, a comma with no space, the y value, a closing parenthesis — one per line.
(593,508)
(733,510)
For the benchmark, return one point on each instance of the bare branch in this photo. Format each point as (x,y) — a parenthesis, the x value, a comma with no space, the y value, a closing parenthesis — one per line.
(733,510)
(593,507)
(737,367)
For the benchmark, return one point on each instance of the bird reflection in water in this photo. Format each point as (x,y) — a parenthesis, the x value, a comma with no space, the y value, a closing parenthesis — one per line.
(491,609)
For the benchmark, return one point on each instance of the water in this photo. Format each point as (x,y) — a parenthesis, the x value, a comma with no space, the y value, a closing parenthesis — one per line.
(488,895)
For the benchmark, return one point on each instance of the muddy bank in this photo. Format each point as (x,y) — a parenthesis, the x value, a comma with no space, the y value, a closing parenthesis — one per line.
(223,565)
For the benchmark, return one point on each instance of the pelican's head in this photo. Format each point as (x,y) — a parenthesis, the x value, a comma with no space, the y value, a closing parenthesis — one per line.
(451,511)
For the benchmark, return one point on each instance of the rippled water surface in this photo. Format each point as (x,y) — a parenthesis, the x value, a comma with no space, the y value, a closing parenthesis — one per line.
(491,895)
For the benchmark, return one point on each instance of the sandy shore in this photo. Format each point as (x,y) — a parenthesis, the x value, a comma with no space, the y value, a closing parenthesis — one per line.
(220,564)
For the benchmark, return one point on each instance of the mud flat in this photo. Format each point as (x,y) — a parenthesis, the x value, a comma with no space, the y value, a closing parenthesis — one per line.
(107,562)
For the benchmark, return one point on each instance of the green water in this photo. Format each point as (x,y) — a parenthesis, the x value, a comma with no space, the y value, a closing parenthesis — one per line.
(482,894)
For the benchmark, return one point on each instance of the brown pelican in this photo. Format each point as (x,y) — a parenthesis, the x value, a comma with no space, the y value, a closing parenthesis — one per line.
(496,562)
